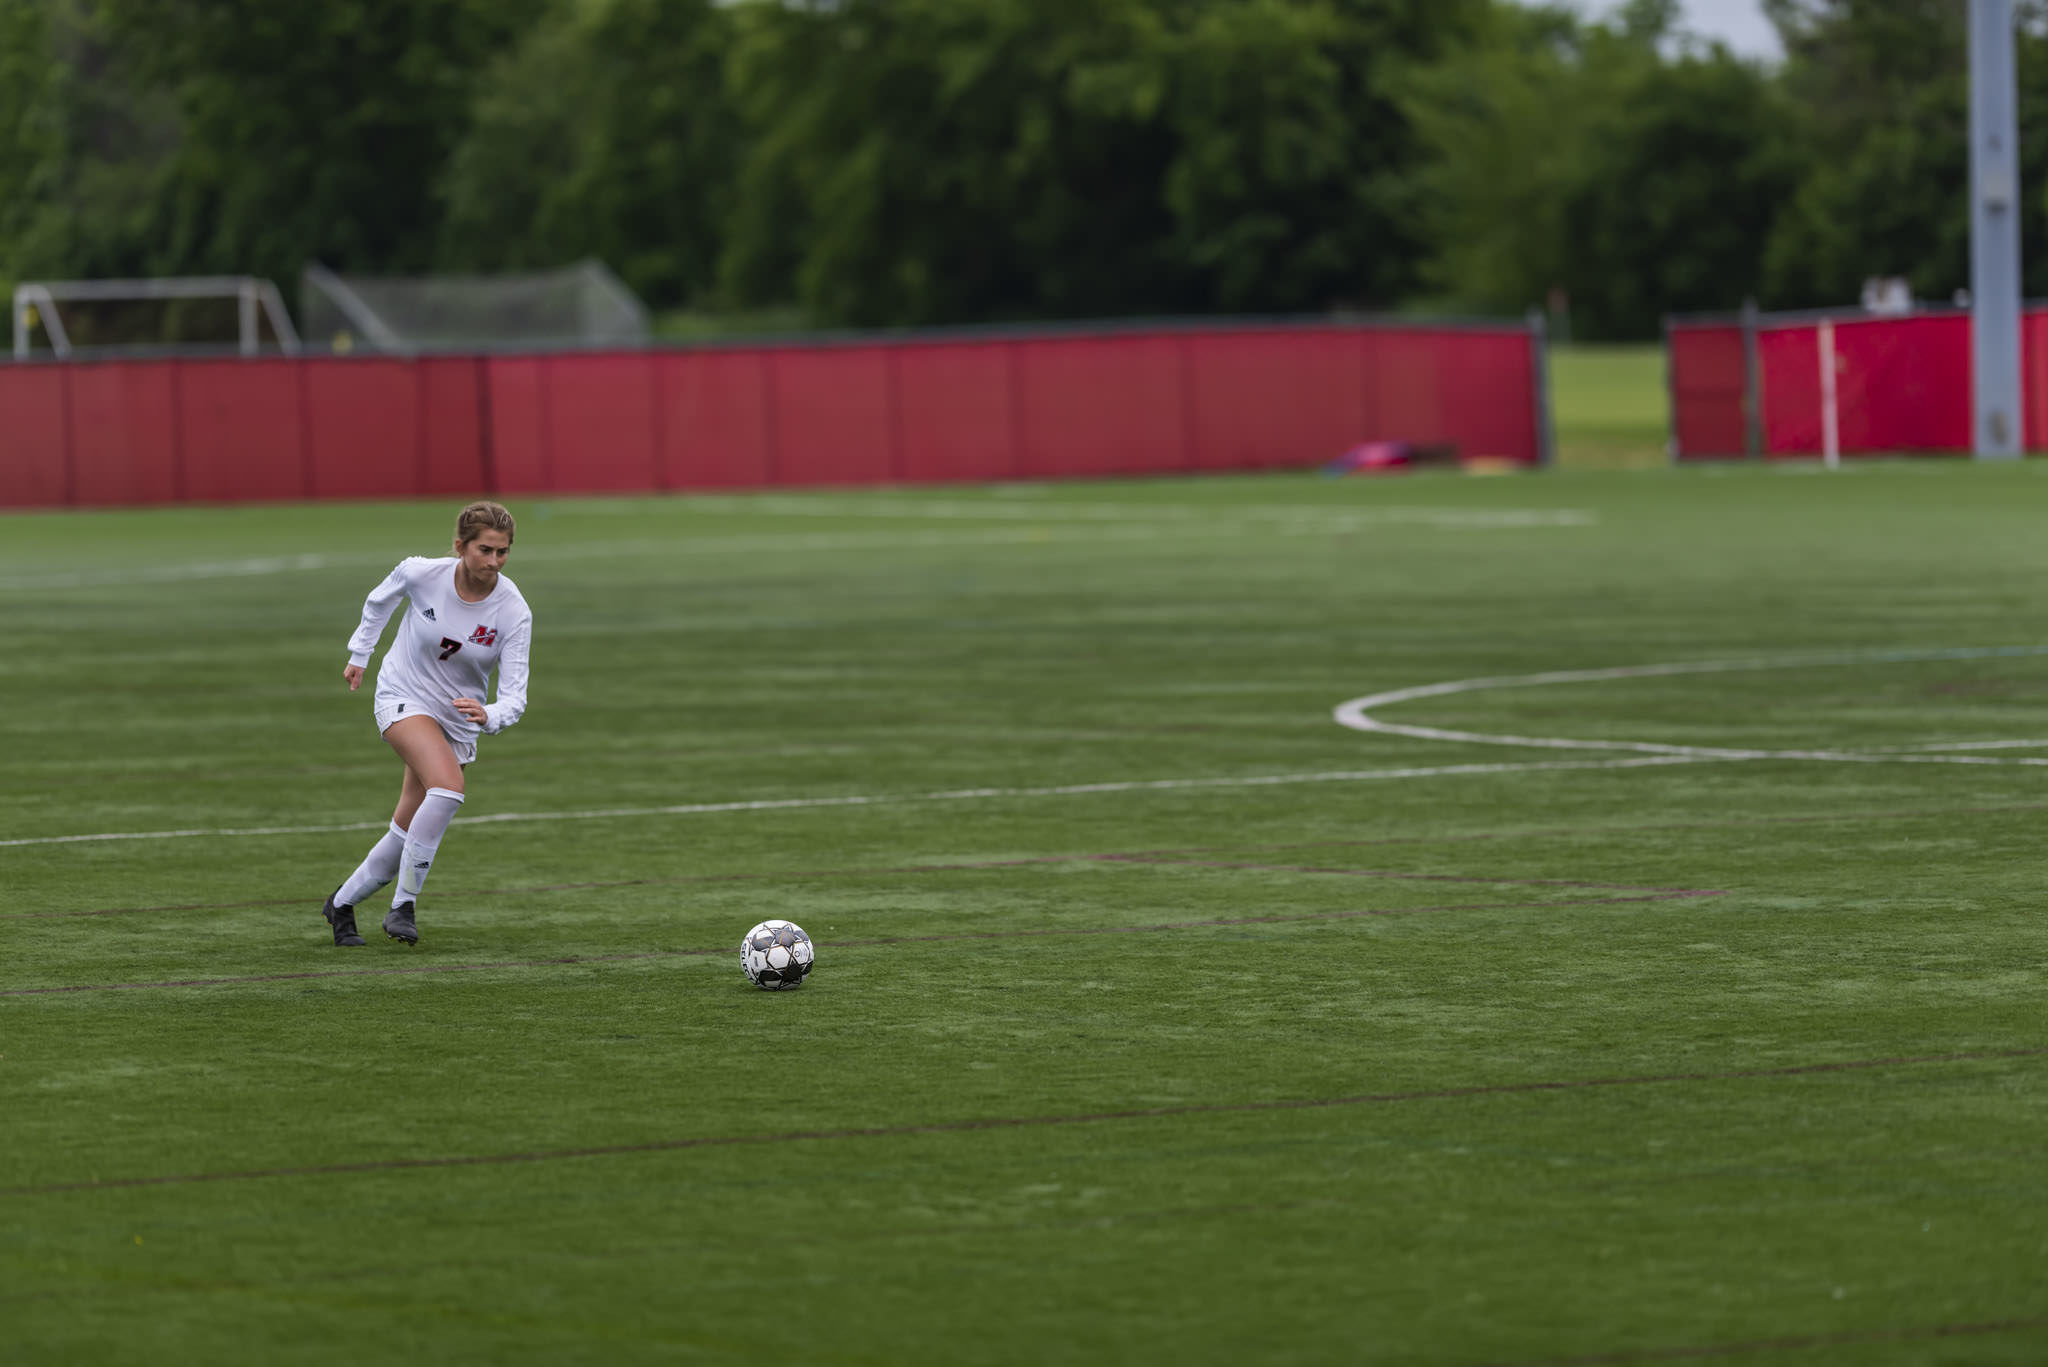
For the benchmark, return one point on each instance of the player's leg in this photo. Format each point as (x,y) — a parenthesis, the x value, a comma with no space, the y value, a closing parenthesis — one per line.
(379,866)
(411,793)
(433,771)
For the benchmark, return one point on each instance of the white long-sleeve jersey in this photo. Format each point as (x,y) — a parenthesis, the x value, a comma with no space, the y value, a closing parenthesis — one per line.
(445,648)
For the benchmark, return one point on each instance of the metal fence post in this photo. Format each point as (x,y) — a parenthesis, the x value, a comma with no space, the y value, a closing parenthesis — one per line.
(1998,425)
(1539,372)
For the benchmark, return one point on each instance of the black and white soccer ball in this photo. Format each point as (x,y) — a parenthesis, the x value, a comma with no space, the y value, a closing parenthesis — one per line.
(777,954)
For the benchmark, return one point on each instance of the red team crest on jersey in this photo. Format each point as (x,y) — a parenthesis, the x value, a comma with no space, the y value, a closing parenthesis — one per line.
(484,636)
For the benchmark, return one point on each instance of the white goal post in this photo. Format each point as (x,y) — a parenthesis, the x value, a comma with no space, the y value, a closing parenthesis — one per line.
(37,301)
(1830,413)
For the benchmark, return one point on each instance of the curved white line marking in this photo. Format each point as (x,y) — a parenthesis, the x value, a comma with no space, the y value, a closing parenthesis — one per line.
(1357,713)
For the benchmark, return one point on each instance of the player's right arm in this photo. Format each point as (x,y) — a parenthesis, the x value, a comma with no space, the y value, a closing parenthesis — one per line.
(377,610)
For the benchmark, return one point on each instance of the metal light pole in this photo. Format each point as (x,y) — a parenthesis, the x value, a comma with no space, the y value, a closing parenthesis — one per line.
(2000,422)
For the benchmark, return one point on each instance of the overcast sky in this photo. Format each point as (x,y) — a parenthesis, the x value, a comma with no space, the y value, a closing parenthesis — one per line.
(1738,23)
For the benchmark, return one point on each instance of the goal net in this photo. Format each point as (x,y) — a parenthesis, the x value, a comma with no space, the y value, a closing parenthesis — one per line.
(579,305)
(73,316)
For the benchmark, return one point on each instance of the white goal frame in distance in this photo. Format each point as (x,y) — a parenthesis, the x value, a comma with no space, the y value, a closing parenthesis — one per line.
(1830,415)
(38,299)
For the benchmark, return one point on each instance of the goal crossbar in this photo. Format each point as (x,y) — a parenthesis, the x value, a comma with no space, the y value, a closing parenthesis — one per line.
(38,299)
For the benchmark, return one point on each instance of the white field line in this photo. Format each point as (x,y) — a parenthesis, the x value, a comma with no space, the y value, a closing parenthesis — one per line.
(694,545)
(884,799)
(799,505)
(1298,522)
(1961,745)
(1357,713)
(171,574)
(701,545)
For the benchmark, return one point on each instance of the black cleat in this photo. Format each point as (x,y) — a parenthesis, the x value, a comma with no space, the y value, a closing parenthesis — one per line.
(398,924)
(343,919)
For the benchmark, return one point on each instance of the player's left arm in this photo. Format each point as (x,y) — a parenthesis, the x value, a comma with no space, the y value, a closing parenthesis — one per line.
(512,672)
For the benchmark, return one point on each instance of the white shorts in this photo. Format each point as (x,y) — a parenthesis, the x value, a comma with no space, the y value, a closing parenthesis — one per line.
(390,710)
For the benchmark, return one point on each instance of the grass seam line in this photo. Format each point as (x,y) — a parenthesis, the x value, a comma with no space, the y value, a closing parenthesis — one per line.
(1015,1122)
(1786,1343)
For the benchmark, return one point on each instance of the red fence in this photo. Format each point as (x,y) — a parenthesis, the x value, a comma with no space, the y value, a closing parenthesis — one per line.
(1709,376)
(1900,384)
(1042,406)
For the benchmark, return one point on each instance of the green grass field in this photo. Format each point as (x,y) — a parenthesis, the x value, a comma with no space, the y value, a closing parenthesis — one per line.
(1158,1016)
(1609,407)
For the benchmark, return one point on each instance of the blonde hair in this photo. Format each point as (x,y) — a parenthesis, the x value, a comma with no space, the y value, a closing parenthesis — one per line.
(478,518)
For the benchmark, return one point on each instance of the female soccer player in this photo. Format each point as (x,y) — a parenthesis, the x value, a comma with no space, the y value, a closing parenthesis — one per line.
(463,617)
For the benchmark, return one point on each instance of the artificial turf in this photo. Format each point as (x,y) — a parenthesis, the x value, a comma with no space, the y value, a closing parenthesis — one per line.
(1610,406)
(1157,1017)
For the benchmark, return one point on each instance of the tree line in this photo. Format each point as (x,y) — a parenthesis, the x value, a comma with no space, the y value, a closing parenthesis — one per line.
(908,162)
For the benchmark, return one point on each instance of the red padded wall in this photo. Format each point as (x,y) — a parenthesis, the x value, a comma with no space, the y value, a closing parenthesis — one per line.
(241,429)
(956,411)
(834,415)
(1903,384)
(519,424)
(1128,402)
(600,415)
(124,434)
(1511,399)
(452,427)
(717,424)
(1261,399)
(1484,386)
(1101,405)
(1707,383)
(362,428)
(2034,378)
(1788,361)
(35,457)
(1398,378)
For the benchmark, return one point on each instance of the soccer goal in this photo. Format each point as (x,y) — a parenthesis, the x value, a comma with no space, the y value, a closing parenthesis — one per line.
(41,303)
(583,305)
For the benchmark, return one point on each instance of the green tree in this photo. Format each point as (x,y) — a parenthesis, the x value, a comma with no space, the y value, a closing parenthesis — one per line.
(1884,94)
(1883,90)
(922,161)
(309,130)
(85,148)
(606,132)
(937,160)
(1507,126)
(1292,183)
(1679,196)
(1589,158)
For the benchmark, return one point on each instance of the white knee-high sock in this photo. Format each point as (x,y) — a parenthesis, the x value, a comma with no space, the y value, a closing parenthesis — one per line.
(379,867)
(422,838)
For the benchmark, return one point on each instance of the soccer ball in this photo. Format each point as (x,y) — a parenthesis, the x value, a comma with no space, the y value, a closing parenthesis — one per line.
(776,954)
